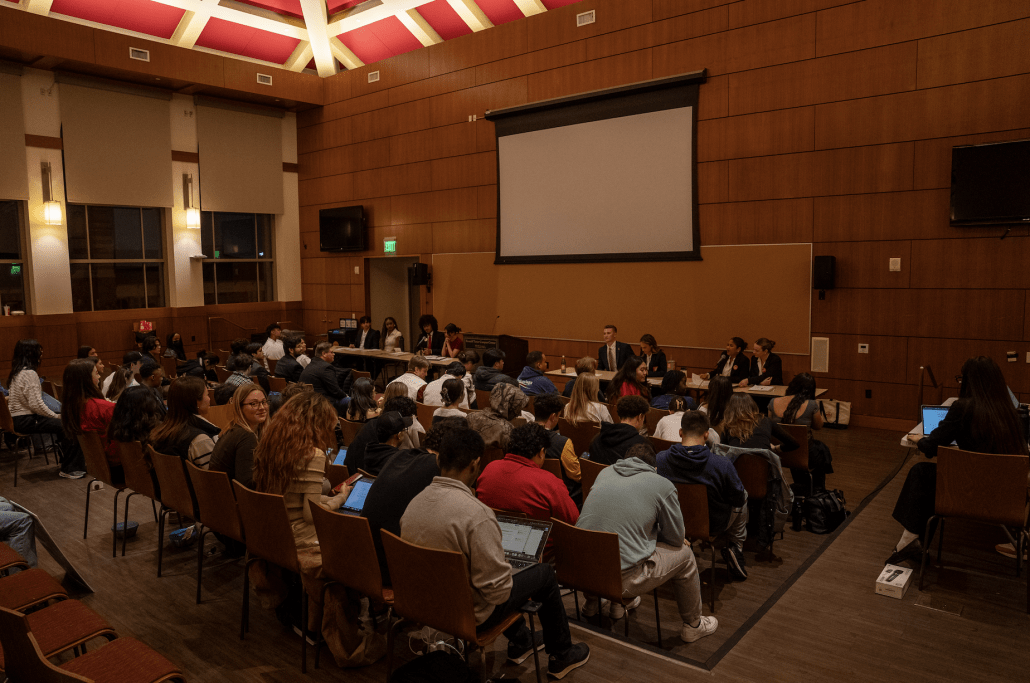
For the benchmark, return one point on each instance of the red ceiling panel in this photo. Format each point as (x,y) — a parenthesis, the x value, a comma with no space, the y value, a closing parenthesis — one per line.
(555,4)
(337,5)
(500,11)
(384,38)
(289,7)
(246,41)
(444,20)
(142,16)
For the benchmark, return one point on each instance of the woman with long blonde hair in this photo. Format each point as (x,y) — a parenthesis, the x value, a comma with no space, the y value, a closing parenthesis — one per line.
(583,406)
(290,461)
(234,452)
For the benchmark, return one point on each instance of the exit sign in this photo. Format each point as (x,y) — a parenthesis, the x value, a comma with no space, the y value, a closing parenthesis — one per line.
(390,245)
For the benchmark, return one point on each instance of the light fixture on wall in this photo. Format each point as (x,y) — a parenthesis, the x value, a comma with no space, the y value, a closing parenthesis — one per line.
(192,212)
(51,207)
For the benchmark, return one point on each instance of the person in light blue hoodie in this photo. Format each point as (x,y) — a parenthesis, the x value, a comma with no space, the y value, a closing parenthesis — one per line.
(631,499)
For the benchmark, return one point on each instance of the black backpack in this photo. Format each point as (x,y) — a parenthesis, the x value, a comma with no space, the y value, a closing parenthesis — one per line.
(824,511)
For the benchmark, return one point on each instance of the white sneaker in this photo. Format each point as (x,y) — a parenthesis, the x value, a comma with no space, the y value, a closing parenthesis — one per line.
(618,610)
(593,605)
(707,627)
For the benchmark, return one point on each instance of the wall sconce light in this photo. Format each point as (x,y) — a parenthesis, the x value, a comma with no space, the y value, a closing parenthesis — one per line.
(192,212)
(51,207)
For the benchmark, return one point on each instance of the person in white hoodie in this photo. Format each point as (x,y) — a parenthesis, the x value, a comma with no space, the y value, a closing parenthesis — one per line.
(631,499)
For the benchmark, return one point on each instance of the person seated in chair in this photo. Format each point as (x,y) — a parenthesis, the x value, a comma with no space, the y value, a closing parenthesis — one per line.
(432,395)
(391,428)
(333,383)
(548,409)
(488,375)
(690,462)
(447,516)
(615,439)
(632,500)
(532,380)
(288,367)
(415,378)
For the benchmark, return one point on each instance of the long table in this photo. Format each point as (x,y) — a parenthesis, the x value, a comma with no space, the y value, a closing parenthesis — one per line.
(774,391)
(388,356)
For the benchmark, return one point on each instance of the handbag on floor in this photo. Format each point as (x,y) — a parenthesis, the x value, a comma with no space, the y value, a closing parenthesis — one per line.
(836,414)
(824,511)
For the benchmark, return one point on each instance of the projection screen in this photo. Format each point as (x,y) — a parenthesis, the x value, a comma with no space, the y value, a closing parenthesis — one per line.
(604,176)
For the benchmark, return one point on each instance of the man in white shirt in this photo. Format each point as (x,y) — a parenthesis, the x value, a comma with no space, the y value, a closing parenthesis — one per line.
(432,395)
(415,377)
(273,347)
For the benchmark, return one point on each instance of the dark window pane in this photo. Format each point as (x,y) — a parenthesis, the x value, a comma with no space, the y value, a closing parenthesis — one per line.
(264,235)
(266,283)
(155,285)
(10,231)
(237,282)
(81,298)
(117,286)
(114,233)
(209,284)
(206,243)
(77,235)
(12,286)
(152,233)
(234,236)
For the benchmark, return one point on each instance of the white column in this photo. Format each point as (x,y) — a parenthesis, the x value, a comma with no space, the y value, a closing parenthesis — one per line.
(185,276)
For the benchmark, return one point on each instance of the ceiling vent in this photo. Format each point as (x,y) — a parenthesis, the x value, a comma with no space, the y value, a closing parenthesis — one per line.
(373,76)
(139,55)
(584,18)
(820,354)
(264,79)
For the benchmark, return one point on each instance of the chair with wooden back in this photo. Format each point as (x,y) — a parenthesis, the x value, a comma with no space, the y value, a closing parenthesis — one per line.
(51,388)
(219,416)
(175,492)
(29,588)
(336,474)
(271,368)
(221,373)
(693,500)
(170,366)
(589,561)
(797,459)
(219,512)
(660,445)
(482,399)
(26,660)
(269,535)
(985,488)
(754,472)
(358,373)
(588,471)
(63,626)
(99,470)
(432,587)
(613,412)
(11,559)
(654,415)
(554,466)
(277,384)
(350,430)
(138,478)
(349,557)
(582,434)
(519,422)
(425,415)
(22,442)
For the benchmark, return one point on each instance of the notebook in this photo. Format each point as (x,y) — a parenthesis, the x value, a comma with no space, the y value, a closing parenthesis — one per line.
(356,500)
(523,541)
(932,416)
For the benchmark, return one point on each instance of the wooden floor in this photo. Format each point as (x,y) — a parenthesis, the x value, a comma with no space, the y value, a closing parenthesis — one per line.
(828,623)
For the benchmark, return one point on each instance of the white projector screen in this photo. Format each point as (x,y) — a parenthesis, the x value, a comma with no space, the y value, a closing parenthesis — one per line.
(607,176)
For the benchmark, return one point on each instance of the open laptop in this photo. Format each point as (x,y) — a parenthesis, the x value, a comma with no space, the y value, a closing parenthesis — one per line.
(932,416)
(523,541)
(355,502)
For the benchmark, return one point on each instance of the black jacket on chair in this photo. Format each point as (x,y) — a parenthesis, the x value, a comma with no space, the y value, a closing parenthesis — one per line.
(288,368)
(327,380)
(741,367)
(773,370)
(623,352)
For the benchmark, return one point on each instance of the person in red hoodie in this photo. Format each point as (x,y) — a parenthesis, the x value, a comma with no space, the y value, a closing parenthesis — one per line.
(518,484)
(85,409)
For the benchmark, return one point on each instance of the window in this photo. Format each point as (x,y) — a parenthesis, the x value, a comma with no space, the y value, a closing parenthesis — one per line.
(117,257)
(239,264)
(12,265)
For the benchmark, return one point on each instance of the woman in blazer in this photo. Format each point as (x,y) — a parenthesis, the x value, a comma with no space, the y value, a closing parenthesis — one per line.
(766,367)
(653,356)
(739,364)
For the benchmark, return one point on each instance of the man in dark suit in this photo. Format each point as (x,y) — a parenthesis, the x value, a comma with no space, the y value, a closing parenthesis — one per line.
(365,338)
(613,353)
(288,367)
(333,383)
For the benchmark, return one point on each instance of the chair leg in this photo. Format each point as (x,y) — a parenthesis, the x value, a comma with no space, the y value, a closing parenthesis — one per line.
(304,631)
(926,549)
(200,561)
(575,600)
(536,653)
(626,625)
(153,506)
(114,526)
(940,543)
(161,537)
(390,629)
(89,490)
(245,618)
(712,578)
(125,522)
(321,602)
(657,618)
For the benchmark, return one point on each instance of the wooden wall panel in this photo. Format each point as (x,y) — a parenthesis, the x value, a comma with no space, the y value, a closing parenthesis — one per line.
(474,49)
(769,133)
(435,207)
(714,99)
(933,157)
(887,400)
(663,9)
(395,71)
(36,35)
(420,90)
(288,85)
(464,236)
(468,171)
(531,62)
(771,222)
(946,357)
(884,216)
(885,361)
(435,143)
(989,52)
(865,265)
(168,61)
(579,78)
(559,25)
(750,12)
(977,262)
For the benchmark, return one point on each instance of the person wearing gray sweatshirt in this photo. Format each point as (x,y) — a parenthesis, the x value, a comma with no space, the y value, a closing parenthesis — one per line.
(631,499)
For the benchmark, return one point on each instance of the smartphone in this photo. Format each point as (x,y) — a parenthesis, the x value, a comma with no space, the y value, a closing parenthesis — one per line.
(348,482)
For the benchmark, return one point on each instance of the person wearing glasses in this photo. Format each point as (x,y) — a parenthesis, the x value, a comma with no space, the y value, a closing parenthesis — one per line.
(234,451)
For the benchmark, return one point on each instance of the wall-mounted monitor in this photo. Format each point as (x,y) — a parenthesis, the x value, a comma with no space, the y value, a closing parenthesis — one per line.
(342,229)
(990,184)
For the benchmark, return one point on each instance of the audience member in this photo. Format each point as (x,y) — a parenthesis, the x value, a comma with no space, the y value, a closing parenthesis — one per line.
(185,432)
(447,516)
(720,391)
(18,530)
(288,367)
(135,415)
(470,359)
(222,396)
(766,367)
(85,409)
(415,378)
(733,364)
(432,394)
(258,366)
(273,346)
(489,374)
(391,428)
(367,338)
(744,427)
(613,353)
(673,384)
(630,380)
(582,407)
(632,500)
(494,423)
(240,365)
(653,357)
(234,451)
(362,406)
(668,428)
(453,341)
(151,349)
(174,347)
(131,362)
(532,380)
(690,462)
(431,341)
(30,414)
(452,395)
(547,411)
(798,406)
(333,383)
(355,458)
(615,439)
(585,365)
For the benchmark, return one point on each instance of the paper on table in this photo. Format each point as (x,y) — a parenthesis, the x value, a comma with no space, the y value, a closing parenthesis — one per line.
(695,378)
(759,387)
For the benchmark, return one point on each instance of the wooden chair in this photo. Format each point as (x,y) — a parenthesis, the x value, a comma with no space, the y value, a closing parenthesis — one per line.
(589,561)
(425,415)
(798,458)
(358,373)
(582,434)
(754,472)
(222,374)
(554,466)
(11,559)
(694,507)
(220,513)
(349,557)
(613,412)
(170,366)
(984,488)
(138,476)
(176,494)
(660,445)
(482,399)
(97,468)
(219,415)
(432,587)
(350,430)
(336,474)
(277,384)
(63,626)
(51,388)
(489,455)
(26,660)
(29,588)
(588,471)
(519,422)
(654,415)
(266,525)
(22,442)
(271,368)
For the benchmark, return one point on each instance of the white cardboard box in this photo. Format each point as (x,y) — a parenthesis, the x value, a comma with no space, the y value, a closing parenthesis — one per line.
(894,581)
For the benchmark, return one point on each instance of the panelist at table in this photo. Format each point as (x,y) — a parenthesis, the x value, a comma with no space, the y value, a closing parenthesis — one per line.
(653,356)
(733,364)
(766,366)
(432,339)
(367,338)
(613,354)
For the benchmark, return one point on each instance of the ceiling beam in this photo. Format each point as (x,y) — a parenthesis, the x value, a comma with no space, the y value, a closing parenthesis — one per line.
(343,53)
(531,7)
(357,17)
(238,13)
(300,58)
(41,7)
(318,36)
(471,14)
(419,27)
(192,25)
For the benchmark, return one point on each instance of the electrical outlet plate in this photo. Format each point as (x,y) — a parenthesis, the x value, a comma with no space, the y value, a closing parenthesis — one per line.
(863,348)
(895,265)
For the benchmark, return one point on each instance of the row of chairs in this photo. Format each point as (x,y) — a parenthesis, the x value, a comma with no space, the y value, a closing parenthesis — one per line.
(38,621)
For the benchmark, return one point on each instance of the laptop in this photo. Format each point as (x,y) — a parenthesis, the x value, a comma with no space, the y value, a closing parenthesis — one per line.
(932,416)
(355,502)
(523,541)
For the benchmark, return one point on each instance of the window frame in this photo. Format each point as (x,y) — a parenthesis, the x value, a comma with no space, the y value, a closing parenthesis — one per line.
(23,243)
(208,216)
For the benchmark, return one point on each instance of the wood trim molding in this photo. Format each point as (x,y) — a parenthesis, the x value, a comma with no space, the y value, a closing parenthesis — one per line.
(290,168)
(43,141)
(188,157)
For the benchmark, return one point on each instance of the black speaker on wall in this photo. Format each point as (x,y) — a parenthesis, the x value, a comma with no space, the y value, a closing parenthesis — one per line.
(418,274)
(824,272)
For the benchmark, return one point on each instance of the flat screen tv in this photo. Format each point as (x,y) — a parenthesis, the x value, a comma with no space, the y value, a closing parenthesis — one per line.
(990,184)
(342,229)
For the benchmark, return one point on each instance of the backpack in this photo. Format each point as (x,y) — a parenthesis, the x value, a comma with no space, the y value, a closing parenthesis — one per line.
(824,511)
